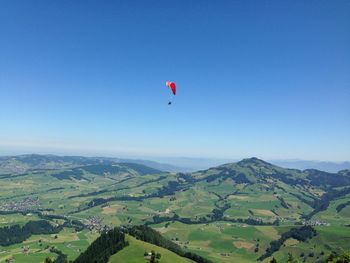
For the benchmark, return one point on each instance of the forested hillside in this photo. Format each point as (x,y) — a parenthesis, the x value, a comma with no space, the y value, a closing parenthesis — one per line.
(245,211)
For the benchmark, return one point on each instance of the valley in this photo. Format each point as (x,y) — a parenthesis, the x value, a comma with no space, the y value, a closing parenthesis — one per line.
(231,213)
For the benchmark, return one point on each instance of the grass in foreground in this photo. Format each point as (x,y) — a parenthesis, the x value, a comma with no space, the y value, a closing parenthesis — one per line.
(134,253)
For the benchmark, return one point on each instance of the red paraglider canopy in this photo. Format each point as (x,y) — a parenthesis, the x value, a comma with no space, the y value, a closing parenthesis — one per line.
(172,86)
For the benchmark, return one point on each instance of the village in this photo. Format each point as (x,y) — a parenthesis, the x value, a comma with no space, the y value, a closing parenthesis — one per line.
(96,223)
(315,222)
(24,205)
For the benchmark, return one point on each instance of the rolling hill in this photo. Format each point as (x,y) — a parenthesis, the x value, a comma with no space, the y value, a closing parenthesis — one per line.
(134,253)
(29,162)
(236,211)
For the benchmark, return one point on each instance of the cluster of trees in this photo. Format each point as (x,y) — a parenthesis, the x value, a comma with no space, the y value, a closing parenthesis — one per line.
(290,259)
(225,173)
(320,178)
(51,217)
(66,175)
(89,194)
(283,203)
(302,234)
(170,189)
(196,258)
(338,258)
(241,179)
(304,200)
(123,188)
(149,181)
(161,219)
(103,247)
(76,224)
(253,221)
(154,258)
(342,206)
(217,215)
(10,235)
(332,258)
(186,177)
(323,203)
(149,235)
(286,177)
(61,258)
(15,212)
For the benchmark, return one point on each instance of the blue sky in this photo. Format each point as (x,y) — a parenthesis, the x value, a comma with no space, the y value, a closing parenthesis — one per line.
(255,78)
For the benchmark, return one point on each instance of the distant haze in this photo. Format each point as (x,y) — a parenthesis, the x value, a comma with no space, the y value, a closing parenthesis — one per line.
(205,163)
(183,164)
(302,165)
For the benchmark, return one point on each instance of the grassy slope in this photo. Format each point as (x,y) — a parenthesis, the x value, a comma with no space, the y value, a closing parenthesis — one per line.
(208,240)
(68,242)
(134,253)
(328,239)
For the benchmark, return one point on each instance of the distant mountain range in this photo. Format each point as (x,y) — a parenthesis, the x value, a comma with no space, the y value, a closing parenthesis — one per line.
(23,163)
(331,167)
(193,164)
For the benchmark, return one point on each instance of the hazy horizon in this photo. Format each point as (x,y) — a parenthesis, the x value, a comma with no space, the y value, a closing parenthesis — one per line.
(163,159)
(191,164)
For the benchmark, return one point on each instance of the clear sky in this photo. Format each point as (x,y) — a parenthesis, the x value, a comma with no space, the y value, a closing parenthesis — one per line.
(255,78)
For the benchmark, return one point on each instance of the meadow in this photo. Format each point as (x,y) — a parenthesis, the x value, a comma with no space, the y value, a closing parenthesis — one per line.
(218,214)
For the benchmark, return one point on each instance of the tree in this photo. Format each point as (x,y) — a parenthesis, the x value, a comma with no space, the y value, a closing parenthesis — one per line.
(153,258)
(291,259)
(301,234)
(103,247)
(336,258)
(344,258)
(48,260)
(273,260)
(10,235)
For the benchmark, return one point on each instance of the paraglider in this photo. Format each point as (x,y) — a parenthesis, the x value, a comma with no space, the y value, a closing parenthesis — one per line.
(171,85)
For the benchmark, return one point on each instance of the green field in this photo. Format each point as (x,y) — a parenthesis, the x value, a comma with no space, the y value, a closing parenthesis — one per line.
(243,191)
(134,253)
(69,242)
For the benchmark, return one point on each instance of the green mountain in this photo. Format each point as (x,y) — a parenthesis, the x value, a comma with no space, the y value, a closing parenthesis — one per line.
(237,212)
